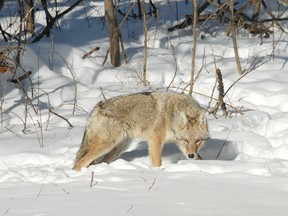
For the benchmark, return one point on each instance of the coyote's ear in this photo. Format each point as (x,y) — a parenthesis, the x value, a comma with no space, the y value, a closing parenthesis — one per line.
(202,121)
(183,120)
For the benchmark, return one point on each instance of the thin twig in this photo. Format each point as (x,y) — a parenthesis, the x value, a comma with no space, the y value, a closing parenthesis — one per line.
(248,71)
(106,56)
(74,82)
(70,125)
(39,137)
(214,87)
(63,189)
(40,190)
(123,20)
(207,96)
(274,19)
(145,29)
(152,184)
(223,145)
(237,59)
(129,209)
(11,131)
(92,179)
(103,93)
(194,47)
(6,212)
(176,65)
(52,20)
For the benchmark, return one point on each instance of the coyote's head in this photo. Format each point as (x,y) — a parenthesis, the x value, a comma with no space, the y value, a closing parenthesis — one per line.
(191,134)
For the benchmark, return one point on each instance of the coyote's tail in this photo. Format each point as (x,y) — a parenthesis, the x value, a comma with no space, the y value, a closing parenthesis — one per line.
(82,151)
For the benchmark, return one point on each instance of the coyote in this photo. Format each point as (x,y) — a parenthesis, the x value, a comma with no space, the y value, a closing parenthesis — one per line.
(155,117)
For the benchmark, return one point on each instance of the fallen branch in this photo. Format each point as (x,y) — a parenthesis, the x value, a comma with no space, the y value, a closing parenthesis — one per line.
(90,52)
(22,77)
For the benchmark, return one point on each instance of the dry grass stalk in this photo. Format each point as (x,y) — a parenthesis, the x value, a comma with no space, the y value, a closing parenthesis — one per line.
(176,65)
(194,47)
(145,29)
(92,179)
(237,59)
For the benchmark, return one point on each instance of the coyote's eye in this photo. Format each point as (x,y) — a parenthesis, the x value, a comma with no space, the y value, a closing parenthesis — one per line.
(198,141)
(185,141)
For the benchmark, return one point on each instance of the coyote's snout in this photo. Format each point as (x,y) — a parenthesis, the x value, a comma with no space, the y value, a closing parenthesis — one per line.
(156,117)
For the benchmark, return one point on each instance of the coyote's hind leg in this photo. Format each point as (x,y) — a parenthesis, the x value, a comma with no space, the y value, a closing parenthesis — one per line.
(97,150)
(116,151)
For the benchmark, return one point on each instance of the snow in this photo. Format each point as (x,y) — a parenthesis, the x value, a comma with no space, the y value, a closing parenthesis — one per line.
(244,170)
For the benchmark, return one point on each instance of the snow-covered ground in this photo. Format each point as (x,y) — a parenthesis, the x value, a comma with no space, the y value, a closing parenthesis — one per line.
(244,170)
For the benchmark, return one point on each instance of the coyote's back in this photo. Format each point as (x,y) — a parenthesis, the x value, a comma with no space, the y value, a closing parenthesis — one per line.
(155,117)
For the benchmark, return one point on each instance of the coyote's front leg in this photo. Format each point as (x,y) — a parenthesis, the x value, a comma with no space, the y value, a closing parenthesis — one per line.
(155,150)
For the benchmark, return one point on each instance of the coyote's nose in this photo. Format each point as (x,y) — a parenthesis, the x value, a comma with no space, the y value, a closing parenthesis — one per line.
(191,156)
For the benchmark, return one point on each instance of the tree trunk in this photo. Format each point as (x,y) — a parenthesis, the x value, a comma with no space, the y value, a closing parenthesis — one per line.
(113,33)
(29,15)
